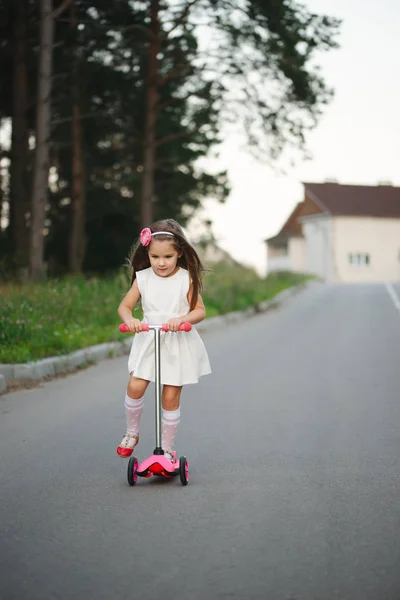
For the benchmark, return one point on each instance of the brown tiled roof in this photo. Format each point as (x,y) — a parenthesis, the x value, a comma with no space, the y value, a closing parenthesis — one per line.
(291,227)
(355,200)
(340,200)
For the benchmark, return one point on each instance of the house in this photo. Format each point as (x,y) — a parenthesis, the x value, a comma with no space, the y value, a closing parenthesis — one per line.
(341,233)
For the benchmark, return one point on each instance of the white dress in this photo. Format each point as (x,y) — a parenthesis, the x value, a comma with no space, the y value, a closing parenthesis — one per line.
(183,355)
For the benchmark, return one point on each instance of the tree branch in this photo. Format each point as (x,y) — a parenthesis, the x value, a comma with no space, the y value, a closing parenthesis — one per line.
(173,99)
(142,28)
(87,116)
(172,73)
(115,27)
(58,11)
(182,17)
(172,137)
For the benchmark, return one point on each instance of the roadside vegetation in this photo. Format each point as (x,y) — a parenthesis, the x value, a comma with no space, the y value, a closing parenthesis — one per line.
(59,316)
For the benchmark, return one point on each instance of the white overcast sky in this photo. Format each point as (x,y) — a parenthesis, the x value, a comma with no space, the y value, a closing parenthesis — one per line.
(357,140)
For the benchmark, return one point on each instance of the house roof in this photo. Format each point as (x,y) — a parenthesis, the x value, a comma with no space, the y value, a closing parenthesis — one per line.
(291,227)
(340,200)
(355,200)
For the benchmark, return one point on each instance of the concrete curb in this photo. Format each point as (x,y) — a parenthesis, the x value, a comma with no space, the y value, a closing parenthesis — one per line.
(55,365)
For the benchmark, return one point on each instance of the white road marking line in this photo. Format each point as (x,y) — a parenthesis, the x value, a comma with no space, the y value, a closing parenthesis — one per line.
(393,295)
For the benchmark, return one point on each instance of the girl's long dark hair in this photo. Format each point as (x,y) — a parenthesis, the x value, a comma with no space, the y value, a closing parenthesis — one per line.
(139,258)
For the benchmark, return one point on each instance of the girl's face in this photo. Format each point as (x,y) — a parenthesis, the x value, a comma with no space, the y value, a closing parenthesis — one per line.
(163,257)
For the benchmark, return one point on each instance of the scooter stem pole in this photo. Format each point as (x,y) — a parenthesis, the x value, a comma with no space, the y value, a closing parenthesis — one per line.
(157,338)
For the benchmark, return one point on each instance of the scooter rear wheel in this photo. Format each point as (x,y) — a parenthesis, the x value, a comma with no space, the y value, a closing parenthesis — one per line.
(183,470)
(132,470)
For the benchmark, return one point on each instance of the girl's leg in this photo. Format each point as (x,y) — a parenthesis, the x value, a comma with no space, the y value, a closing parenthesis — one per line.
(133,412)
(171,414)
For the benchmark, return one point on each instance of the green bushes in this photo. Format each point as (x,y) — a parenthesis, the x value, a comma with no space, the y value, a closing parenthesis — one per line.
(60,316)
(230,287)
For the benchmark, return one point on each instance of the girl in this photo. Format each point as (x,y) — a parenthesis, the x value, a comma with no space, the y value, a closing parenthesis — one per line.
(167,278)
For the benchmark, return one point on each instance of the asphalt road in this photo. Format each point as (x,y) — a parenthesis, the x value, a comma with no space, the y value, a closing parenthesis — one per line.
(293,445)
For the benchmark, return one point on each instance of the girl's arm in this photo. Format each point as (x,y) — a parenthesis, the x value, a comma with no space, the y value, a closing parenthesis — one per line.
(126,307)
(194,316)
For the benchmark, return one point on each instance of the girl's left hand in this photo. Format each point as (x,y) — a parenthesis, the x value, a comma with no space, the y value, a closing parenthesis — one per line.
(173,324)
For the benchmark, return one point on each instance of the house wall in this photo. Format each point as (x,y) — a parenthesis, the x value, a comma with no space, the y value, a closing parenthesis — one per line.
(278,259)
(378,238)
(276,251)
(297,254)
(279,263)
(318,238)
(290,258)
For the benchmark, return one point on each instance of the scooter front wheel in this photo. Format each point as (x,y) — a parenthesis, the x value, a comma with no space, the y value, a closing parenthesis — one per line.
(132,470)
(183,470)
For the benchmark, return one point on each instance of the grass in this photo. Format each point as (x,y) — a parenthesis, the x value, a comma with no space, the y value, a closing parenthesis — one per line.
(229,288)
(60,316)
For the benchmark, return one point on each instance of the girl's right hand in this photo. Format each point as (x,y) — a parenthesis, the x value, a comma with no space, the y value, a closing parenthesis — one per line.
(134,325)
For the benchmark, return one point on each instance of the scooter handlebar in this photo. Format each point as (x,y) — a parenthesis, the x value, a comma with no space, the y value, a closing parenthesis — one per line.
(146,327)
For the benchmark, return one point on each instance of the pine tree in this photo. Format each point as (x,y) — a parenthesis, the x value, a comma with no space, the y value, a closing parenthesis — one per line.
(132,99)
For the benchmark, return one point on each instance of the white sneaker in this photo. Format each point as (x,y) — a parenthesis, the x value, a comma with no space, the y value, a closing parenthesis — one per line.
(170,454)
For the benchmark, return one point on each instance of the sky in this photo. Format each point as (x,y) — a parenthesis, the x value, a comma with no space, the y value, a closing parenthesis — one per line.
(357,141)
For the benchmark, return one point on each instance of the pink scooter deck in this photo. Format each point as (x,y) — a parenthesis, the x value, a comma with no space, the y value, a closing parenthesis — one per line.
(158,464)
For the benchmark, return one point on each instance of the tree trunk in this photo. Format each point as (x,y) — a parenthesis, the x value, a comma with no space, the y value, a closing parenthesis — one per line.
(149,150)
(43,116)
(76,251)
(19,201)
(77,234)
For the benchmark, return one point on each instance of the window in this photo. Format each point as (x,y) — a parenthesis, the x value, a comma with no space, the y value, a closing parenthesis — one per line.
(359,259)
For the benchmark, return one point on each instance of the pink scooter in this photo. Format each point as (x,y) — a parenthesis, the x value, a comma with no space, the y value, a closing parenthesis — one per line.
(158,464)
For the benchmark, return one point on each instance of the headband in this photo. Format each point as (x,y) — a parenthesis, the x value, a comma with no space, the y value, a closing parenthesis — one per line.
(146,234)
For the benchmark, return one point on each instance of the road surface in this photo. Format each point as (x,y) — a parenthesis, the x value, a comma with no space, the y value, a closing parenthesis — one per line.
(294,452)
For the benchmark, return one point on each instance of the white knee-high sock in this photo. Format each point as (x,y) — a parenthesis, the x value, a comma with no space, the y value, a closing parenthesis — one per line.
(133,412)
(170,422)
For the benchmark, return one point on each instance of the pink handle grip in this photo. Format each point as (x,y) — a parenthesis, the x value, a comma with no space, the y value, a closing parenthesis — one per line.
(145,327)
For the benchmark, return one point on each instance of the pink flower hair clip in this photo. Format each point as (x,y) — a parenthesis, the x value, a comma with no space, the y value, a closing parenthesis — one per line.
(145,236)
